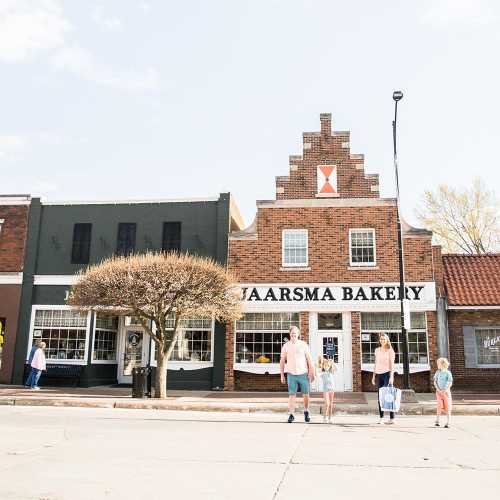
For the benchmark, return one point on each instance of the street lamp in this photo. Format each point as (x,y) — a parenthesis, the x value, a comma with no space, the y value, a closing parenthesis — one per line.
(397,96)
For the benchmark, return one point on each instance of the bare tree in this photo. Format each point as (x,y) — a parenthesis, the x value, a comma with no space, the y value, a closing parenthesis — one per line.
(157,287)
(463,221)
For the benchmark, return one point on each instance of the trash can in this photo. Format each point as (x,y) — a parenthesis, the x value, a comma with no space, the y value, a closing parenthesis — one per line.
(140,382)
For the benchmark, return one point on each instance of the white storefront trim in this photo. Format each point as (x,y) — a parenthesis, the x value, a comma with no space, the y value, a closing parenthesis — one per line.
(259,368)
(319,297)
(11,278)
(398,367)
(56,279)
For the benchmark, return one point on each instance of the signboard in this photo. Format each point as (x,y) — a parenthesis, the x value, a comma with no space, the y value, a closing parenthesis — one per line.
(330,349)
(349,296)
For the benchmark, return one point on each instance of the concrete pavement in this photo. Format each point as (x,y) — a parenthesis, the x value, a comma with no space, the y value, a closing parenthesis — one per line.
(244,402)
(77,454)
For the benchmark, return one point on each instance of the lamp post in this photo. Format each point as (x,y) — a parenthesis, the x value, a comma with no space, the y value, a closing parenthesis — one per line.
(397,96)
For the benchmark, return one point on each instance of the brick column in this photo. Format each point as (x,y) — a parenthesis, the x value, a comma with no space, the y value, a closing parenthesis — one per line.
(304,327)
(432,342)
(229,358)
(356,351)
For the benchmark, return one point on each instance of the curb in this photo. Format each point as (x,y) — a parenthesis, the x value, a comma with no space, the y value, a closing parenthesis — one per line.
(410,409)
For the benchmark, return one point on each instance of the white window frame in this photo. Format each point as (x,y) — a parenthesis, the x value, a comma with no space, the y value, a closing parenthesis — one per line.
(476,353)
(363,230)
(1,224)
(258,368)
(186,365)
(83,361)
(398,367)
(104,361)
(294,231)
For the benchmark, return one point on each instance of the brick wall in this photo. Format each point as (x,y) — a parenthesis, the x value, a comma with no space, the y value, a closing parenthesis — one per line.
(13,237)
(325,148)
(487,379)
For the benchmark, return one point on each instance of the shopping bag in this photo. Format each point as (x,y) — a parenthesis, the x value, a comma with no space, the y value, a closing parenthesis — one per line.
(389,398)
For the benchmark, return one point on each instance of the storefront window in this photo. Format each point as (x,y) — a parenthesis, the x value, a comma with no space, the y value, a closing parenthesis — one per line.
(195,339)
(487,346)
(372,324)
(64,332)
(105,335)
(260,336)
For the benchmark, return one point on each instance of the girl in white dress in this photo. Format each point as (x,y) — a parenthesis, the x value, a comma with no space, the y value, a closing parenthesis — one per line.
(326,368)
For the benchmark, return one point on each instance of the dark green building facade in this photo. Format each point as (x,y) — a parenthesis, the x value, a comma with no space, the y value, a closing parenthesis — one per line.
(90,350)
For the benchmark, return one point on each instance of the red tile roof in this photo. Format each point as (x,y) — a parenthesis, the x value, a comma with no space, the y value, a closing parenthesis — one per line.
(472,279)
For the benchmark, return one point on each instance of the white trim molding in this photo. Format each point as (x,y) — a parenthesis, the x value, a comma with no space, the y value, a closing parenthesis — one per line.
(56,279)
(11,278)
(59,361)
(398,367)
(259,368)
(132,202)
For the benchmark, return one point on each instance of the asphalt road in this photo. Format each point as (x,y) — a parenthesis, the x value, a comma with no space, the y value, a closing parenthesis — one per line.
(72,453)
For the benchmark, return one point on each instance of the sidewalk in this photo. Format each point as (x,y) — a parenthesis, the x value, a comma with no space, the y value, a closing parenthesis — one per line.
(347,403)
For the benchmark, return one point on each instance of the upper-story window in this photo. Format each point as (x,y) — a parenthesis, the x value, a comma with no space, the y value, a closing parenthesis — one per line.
(1,224)
(171,236)
(125,244)
(80,252)
(294,242)
(362,247)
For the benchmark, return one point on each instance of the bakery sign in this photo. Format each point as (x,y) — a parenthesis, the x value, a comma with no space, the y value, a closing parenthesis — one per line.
(346,296)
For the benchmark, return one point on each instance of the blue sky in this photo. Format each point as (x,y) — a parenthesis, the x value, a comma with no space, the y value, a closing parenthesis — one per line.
(143,99)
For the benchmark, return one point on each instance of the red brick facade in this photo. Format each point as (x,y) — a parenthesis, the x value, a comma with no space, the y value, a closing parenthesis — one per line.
(484,379)
(13,232)
(255,255)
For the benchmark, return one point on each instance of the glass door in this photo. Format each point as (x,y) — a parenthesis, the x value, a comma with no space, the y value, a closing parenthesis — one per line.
(133,353)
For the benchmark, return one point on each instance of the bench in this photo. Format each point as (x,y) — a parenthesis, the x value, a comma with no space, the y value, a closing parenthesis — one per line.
(59,373)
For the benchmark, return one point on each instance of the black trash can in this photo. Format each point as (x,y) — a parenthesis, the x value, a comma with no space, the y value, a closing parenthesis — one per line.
(140,382)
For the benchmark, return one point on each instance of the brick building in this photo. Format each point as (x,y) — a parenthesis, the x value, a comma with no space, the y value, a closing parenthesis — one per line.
(323,255)
(472,284)
(14,212)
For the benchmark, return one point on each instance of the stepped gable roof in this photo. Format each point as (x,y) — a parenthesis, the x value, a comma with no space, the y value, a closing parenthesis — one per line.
(472,280)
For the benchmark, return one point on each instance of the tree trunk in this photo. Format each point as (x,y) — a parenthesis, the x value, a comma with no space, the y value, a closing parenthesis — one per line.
(161,375)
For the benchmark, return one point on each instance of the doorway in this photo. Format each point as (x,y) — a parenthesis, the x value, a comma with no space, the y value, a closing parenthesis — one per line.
(133,352)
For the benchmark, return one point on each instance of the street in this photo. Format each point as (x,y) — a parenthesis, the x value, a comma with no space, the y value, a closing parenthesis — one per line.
(73,453)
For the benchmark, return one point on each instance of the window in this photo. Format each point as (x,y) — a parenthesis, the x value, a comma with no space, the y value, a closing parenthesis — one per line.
(125,244)
(362,247)
(64,332)
(1,224)
(80,252)
(487,346)
(171,236)
(195,339)
(260,336)
(105,335)
(295,248)
(372,324)
(330,321)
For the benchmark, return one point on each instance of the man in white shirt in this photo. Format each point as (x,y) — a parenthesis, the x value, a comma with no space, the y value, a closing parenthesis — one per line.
(297,363)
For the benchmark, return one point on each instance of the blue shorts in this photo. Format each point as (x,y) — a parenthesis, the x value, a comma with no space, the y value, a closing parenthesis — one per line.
(298,383)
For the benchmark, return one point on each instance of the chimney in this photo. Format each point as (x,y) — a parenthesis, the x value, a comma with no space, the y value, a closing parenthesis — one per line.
(326,124)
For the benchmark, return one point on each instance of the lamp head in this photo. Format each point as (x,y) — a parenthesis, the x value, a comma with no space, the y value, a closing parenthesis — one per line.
(397,95)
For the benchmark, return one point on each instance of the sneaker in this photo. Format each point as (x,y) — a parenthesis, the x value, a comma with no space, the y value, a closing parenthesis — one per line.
(330,421)
(291,418)
(380,420)
(390,422)
(324,419)
(437,424)
(35,388)
(446,426)
(307,418)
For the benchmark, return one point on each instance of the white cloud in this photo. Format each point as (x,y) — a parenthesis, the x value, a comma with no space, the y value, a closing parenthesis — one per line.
(28,27)
(34,27)
(80,62)
(109,23)
(12,143)
(466,13)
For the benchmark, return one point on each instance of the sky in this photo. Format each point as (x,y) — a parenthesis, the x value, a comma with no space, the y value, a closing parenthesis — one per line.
(146,99)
